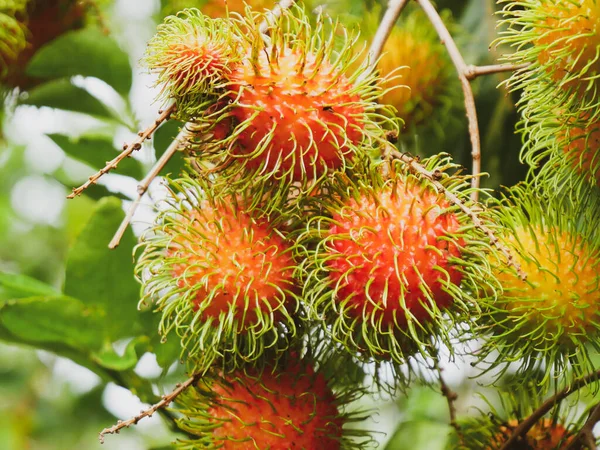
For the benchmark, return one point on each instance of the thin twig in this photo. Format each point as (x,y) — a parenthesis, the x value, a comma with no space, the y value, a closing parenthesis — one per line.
(386,25)
(586,434)
(544,408)
(473,72)
(128,149)
(461,68)
(177,143)
(166,401)
(450,395)
(433,178)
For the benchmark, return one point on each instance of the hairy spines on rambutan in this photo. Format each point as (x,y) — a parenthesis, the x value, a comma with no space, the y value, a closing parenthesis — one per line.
(559,41)
(388,256)
(224,281)
(293,404)
(193,56)
(548,321)
(293,109)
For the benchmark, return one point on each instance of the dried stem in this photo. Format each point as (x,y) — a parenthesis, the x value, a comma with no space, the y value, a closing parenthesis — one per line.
(128,149)
(525,425)
(416,167)
(473,72)
(586,434)
(166,401)
(177,143)
(462,69)
(388,21)
(450,395)
(274,14)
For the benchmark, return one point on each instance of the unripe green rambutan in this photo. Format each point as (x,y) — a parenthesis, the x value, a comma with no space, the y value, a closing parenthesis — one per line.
(293,111)
(388,258)
(193,56)
(547,320)
(224,281)
(286,406)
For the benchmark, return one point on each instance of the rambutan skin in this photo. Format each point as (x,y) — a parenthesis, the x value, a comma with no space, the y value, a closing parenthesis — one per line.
(388,255)
(581,146)
(224,281)
(545,435)
(301,116)
(279,408)
(562,291)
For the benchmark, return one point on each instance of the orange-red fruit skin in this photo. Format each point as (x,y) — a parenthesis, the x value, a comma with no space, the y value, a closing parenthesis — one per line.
(277,411)
(314,120)
(238,257)
(393,240)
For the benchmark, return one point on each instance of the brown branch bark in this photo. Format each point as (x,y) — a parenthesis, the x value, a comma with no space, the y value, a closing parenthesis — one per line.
(128,149)
(461,68)
(586,434)
(166,401)
(544,408)
(388,21)
(473,72)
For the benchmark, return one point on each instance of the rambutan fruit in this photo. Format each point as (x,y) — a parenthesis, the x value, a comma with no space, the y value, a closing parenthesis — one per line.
(546,321)
(294,112)
(388,257)
(193,56)
(224,281)
(290,405)
(560,40)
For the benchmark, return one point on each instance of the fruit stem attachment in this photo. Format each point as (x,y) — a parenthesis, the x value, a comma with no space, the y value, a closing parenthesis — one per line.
(433,177)
(274,14)
(473,72)
(388,21)
(128,149)
(450,395)
(586,434)
(176,145)
(166,401)
(527,424)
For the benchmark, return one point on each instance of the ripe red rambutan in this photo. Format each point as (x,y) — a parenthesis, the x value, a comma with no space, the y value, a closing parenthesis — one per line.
(281,407)
(222,279)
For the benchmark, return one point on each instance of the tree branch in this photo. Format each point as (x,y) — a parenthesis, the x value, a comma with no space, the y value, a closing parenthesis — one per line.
(166,401)
(586,434)
(128,149)
(388,21)
(461,68)
(544,408)
(473,72)
(177,143)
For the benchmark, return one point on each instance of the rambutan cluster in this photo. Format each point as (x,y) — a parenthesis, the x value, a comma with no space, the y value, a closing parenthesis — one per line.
(294,238)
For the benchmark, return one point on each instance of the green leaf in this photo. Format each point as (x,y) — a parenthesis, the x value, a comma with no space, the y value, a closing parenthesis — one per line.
(162,139)
(103,277)
(86,52)
(54,320)
(110,359)
(96,151)
(14,286)
(62,94)
(419,435)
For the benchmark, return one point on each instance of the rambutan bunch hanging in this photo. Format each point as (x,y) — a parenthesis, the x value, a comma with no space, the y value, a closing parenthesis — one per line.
(549,322)
(391,264)
(292,404)
(193,56)
(224,281)
(293,111)
(13,33)
(559,40)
